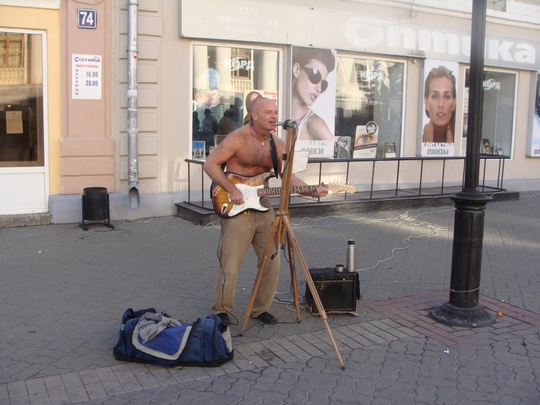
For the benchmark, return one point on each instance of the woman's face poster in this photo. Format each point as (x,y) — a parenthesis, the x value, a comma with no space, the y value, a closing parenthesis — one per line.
(439,104)
(313,100)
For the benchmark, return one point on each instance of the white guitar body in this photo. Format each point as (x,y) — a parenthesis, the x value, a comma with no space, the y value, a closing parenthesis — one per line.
(251,201)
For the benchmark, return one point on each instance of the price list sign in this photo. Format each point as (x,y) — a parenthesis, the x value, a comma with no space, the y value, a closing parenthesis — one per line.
(87,78)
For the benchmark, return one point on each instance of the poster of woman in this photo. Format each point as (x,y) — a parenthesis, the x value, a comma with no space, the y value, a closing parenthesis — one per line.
(313,100)
(439,102)
(534,142)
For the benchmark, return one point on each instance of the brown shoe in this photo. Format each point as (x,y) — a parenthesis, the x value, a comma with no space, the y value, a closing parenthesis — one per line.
(267,318)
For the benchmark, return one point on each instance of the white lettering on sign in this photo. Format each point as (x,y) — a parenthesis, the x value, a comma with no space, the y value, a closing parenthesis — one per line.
(370,33)
(86,18)
(491,84)
(371,75)
(437,149)
(239,63)
(249,11)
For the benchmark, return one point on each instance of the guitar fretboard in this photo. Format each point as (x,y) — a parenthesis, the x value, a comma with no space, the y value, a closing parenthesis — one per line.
(266,191)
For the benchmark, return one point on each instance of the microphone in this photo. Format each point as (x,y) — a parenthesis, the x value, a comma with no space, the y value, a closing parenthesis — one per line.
(286,124)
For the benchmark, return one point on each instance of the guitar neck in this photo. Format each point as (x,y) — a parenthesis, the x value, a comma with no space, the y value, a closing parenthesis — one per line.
(268,191)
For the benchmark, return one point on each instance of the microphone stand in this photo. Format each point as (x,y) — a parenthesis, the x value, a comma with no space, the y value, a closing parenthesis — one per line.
(282,231)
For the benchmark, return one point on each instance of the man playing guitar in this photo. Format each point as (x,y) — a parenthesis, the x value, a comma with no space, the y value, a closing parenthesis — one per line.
(247,153)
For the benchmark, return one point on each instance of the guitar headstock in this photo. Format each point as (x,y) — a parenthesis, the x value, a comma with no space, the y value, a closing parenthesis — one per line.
(335,187)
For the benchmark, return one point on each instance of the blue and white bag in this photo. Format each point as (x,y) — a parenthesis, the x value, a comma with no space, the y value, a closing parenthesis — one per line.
(149,337)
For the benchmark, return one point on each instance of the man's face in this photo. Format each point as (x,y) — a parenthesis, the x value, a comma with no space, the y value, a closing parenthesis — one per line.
(265,114)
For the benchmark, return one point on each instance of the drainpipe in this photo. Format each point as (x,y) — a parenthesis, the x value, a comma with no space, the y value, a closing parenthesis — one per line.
(132,113)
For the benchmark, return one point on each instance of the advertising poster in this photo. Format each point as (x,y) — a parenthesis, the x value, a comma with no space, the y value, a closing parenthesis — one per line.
(342,147)
(313,100)
(439,107)
(534,148)
(198,150)
(365,141)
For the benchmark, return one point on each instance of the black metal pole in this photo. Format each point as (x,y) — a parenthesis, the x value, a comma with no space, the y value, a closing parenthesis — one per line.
(463,307)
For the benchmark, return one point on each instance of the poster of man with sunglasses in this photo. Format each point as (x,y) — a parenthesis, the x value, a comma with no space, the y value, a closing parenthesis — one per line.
(313,101)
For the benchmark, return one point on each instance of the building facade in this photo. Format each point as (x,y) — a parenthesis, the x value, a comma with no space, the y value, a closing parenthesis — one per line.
(191,57)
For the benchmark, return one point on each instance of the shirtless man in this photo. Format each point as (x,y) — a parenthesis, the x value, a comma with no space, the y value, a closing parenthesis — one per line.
(246,152)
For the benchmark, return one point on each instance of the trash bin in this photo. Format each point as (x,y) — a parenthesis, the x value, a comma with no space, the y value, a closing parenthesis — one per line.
(95,206)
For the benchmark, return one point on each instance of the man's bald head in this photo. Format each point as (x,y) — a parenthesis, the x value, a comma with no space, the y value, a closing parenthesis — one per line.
(265,113)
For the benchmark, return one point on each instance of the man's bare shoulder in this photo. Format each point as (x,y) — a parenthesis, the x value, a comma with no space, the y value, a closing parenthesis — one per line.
(238,136)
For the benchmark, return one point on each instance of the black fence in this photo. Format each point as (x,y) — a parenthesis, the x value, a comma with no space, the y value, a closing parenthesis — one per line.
(436,169)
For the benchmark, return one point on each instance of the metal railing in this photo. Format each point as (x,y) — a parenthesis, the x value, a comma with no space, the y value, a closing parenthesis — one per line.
(378,191)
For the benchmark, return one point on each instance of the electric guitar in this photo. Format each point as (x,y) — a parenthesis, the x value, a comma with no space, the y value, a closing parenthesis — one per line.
(252,189)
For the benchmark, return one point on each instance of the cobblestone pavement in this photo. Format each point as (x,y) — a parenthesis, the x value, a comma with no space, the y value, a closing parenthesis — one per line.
(63,291)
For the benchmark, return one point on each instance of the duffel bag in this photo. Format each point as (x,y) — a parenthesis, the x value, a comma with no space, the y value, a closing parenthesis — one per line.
(150,337)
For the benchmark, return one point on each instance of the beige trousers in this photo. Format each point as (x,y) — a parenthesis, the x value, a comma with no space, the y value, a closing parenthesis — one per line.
(237,234)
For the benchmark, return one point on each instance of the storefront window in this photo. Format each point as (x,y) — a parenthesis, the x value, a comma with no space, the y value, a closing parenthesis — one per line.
(369,105)
(21,100)
(225,79)
(498,112)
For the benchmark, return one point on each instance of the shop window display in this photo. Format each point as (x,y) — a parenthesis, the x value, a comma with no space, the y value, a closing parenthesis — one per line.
(369,106)
(21,100)
(225,79)
(498,112)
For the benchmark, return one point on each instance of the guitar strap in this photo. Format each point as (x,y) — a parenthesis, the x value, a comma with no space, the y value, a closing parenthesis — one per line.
(273,154)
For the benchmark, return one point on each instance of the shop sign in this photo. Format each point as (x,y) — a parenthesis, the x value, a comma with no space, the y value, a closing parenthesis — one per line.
(263,22)
(86,77)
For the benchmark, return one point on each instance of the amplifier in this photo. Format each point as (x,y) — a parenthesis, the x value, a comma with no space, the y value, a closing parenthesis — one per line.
(339,292)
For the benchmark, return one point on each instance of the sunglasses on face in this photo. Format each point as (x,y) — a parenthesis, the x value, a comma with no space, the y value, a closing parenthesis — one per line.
(315,77)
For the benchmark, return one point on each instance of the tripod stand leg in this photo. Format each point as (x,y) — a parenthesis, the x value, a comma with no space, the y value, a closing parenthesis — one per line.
(294,283)
(312,288)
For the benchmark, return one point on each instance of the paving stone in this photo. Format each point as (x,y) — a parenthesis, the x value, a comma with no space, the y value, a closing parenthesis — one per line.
(393,352)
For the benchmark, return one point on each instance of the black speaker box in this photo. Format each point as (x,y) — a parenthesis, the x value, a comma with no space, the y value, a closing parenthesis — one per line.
(339,292)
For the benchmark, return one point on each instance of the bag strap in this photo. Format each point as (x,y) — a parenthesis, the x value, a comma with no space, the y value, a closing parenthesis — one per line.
(273,154)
